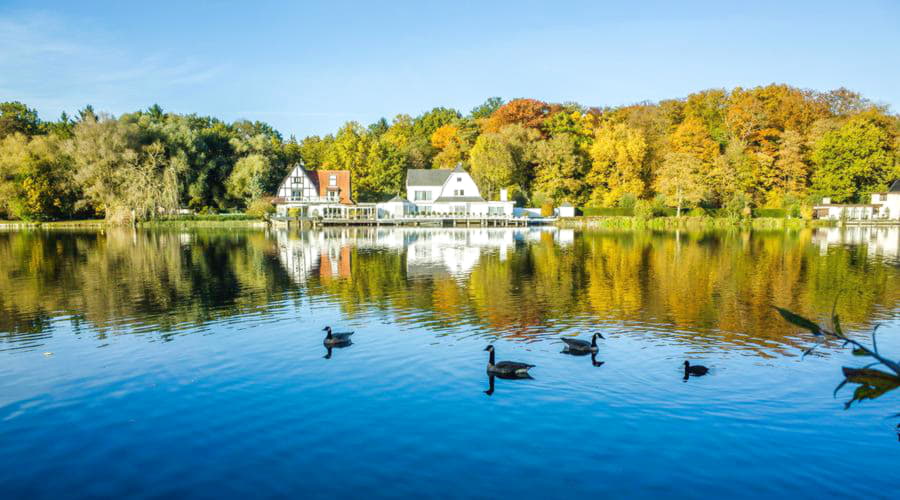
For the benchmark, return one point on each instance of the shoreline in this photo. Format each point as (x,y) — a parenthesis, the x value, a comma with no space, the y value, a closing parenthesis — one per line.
(581,222)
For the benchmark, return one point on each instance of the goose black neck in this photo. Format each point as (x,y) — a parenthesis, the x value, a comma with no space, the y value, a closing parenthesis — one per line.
(491,360)
(329,334)
(594,341)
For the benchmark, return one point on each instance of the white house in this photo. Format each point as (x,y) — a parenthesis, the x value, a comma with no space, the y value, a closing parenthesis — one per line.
(882,206)
(445,191)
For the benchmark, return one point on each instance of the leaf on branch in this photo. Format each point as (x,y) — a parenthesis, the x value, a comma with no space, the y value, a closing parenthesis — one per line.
(837,325)
(836,389)
(800,321)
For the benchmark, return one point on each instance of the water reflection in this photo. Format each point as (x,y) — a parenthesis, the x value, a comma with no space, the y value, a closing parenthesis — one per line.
(881,242)
(701,288)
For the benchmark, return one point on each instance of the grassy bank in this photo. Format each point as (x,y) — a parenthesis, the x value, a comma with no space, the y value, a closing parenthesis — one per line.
(686,222)
(189,221)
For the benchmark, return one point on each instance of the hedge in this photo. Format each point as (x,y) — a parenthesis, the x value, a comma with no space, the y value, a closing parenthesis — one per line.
(776,213)
(607,212)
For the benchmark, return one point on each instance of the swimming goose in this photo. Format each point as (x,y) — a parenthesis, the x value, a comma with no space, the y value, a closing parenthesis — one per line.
(336,338)
(696,370)
(507,369)
(578,346)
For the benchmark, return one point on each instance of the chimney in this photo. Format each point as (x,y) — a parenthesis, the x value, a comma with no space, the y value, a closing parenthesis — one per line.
(504,195)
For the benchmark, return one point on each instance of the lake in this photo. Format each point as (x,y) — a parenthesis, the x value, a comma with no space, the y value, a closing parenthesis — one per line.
(150,364)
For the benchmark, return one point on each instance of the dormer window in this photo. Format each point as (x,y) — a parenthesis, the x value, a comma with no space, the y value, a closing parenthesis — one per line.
(332,180)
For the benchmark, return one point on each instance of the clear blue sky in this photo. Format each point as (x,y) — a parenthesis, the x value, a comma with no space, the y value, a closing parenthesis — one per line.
(308,67)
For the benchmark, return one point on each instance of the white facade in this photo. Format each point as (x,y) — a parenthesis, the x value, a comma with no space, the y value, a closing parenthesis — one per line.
(437,191)
(313,193)
(882,206)
(396,208)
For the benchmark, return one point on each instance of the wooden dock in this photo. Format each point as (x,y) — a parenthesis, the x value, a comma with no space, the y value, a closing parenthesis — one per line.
(436,221)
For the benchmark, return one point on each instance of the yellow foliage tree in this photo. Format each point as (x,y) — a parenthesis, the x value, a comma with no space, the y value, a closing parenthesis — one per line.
(618,163)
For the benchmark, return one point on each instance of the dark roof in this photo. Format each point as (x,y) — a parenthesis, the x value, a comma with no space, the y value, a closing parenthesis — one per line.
(397,198)
(458,199)
(895,187)
(426,177)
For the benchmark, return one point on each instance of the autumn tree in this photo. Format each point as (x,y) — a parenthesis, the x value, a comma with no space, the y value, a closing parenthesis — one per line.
(692,137)
(526,112)
(618,164)
(680,180)
(502,159)
(450,144)
(561,169)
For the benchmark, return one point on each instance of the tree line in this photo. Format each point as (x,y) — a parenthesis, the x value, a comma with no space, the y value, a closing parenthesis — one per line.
(774,146)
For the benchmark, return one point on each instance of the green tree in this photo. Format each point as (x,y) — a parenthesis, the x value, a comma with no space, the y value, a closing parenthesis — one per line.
(16,117)
(856,159)
(35,178)
(486,109)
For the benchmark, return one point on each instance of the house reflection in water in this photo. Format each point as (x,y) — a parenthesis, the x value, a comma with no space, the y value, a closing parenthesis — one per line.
(880,241)
(307,254)
(429,252)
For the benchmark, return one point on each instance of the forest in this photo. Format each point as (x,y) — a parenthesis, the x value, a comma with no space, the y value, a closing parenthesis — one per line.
(773,146)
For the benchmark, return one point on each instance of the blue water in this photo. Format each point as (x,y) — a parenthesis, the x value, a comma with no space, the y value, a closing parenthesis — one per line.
(245,404)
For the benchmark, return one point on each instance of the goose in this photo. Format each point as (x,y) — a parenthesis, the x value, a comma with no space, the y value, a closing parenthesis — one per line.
(696,370)
(578,346)
(335,339)
(506,369)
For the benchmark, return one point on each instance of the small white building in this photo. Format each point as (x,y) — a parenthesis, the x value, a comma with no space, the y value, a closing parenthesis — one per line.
(566,210)
(445,191)
(395,208)
(882,206)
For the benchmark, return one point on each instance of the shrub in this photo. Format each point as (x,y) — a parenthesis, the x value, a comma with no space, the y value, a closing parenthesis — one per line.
(607,211)
(260,208)
(293,213)
(697,212)
(627,201)
(547,209)
(643,209)
(776,213)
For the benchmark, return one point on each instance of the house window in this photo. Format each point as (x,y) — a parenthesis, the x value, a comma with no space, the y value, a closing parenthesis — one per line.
(332,180)
(334,195)
(297,180)
(295,194)
(459,179)
(458,192)
(423,195)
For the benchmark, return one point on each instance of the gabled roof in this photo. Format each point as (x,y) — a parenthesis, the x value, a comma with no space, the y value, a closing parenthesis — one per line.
(459,169)
(426,177)
(895,187)
(397,199)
